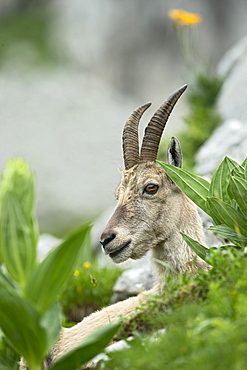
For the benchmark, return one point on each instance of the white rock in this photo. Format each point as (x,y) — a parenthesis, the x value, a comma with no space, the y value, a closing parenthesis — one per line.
(140,277)
(229,139)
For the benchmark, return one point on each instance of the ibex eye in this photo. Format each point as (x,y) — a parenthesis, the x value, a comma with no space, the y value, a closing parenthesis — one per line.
(150,189)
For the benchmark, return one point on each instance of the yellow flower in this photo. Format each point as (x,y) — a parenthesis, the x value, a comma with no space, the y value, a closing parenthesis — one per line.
(182,18)
(77,273)
(87,265)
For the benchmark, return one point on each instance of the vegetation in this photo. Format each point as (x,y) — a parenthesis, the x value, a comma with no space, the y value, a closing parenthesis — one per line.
(224,199)
(88,290)
(29,27)
(29,309)
(202,319)
(203,322)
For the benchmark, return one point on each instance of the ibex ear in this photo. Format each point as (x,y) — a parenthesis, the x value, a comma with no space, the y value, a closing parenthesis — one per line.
(174,153)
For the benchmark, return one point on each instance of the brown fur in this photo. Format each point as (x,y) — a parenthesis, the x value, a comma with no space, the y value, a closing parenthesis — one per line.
(143,222)
(151,222)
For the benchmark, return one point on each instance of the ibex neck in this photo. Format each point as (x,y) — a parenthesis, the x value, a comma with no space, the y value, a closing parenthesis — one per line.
(174,252)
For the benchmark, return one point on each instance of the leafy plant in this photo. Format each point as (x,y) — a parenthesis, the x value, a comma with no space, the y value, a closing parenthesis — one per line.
(29,310)
(198,323)
(224,200)
(87,290)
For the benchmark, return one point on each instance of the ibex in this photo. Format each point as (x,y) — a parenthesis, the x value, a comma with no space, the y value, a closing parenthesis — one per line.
(150,214)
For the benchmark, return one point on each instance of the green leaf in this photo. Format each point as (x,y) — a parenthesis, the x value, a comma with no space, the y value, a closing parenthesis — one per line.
(48,278)
(198,248)
(20,322)
(227,233)
(237,190)
(92,345)
(244,165)
(238,172)
(166,265)
(18,239)
(6,280)
(220,179)
(225,214)
(194,186)
(51,322)
(18,179)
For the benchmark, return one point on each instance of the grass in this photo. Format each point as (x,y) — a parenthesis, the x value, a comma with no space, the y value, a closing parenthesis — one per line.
(89,289)
(205,322)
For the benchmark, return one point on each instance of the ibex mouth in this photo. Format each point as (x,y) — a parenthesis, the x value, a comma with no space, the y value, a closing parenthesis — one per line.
(119,249)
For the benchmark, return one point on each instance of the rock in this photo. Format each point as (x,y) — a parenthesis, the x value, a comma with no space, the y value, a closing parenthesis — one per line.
(232,99)
(133,281)
(232,58)
(229,139)
(120,345)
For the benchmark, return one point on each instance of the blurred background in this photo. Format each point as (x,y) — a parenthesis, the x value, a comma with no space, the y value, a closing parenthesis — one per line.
(71,72)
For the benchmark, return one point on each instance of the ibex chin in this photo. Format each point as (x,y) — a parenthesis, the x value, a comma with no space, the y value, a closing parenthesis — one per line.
(150,214)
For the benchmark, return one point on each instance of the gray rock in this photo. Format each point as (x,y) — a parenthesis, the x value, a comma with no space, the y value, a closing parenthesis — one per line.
(232,99)
(133,281)
(232,58)
(229,139)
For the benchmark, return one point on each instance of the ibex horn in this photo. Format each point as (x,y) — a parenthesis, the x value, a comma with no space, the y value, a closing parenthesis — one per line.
(130,137)
(154,129)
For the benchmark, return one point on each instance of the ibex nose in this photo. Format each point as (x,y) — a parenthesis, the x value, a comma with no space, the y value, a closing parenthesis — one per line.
(106,239)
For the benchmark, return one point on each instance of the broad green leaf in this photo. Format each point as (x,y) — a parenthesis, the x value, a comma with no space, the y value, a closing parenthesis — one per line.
(220,179)
(194,186)
(18,179)
(227,215)
(237,190)
(6,280)
(48,278)
(244,165)
(227,233)
(197,247)
(5,367)
(89,348)
(51,322)
(18,238)
(238,172)
(87,253)
(20,322)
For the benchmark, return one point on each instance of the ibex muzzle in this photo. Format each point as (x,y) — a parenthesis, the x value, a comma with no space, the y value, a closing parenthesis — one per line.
(149,204)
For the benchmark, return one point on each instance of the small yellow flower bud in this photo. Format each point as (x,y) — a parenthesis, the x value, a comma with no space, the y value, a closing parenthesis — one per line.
(87,265)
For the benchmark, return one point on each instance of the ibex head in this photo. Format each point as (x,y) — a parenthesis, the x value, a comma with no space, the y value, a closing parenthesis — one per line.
(149,203)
